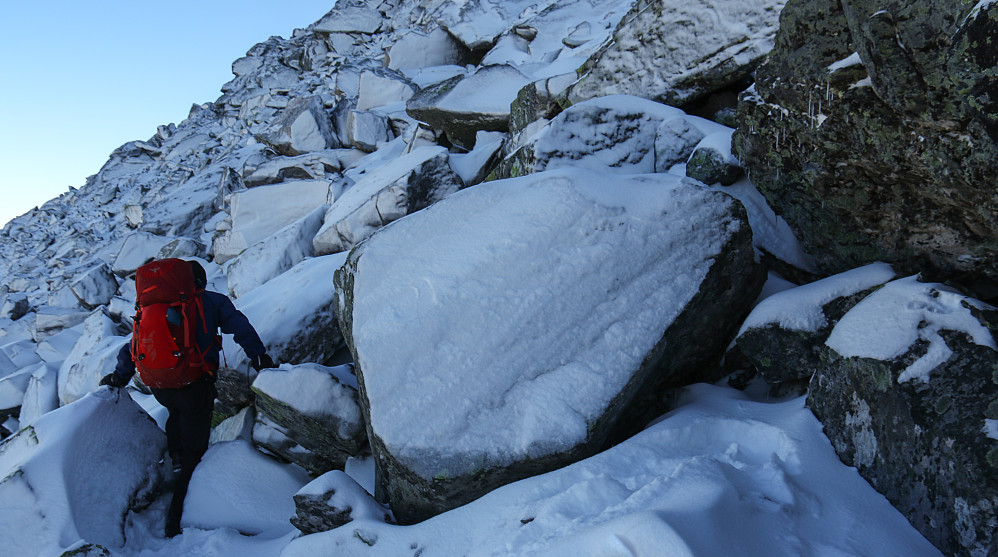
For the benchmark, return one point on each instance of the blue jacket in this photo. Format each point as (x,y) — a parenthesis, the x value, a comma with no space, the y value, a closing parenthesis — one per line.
(219,313)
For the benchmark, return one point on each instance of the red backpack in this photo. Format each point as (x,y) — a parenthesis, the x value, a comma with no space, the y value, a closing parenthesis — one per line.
(167,310)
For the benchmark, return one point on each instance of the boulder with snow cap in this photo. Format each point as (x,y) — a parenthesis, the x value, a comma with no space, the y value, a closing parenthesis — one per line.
(423,50)
(257,213)
(783,335)
(317,407)
(367,130)
(616,133)
(405,185)
(276,439)
(383,87)
(908,394)
(95,287)
(712,162)
(50,320)
(93,356)
(310,166)
(551,324)
(294,314)
(138,249)
(676,52)
(304,126)
(332,500)
(78,471)
(458,107)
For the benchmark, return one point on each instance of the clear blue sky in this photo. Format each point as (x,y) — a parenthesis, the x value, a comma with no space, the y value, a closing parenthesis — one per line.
(78,79)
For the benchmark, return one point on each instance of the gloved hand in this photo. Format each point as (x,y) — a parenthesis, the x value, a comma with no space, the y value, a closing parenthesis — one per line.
(114,380)
(262,361)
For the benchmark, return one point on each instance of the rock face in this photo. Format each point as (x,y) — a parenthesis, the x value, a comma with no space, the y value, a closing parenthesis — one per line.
(492,331)
(873,130)
(903,378)
(675,52)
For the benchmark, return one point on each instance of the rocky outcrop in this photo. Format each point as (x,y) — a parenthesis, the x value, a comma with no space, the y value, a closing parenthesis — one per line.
(675,52)
(873,129)
(489,330)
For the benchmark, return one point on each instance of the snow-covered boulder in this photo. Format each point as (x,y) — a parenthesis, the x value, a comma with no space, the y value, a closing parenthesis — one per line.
(271,257)
(458,106)
(332,500)
(349,19)
(257,213)
(50,320)
(782,334)
(235,486)
(550,323)
(276,439)
(675,52)
(93,356)
(95,287)
(138,249)
(76,473)
(675,141)
(303,127)
(712,162)
(619,133)
(908,395)
(316,405)
(41,395)
(367,130)
(402,186)
(54,349)
(383,87)
(13,386)
(14,306)
(310,166)
(294,313)
(424,50)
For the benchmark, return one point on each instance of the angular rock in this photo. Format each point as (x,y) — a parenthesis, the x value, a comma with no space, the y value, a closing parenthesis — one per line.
(784,334)
(675,52)
(294,314)
(367,130)
(138,249)
(275,439)
(317,409)
(332,500)
(886,154)
(513,330)
(304,127)
(422,50)
(181,248)
(712,161)
(400,187)
(383,87)
(234,392)
(257,213)
(49,467)
(14,306)
(51,320)
(675,141)
(95,287)
(909,396)
(269,258)
(457,106)
(616,133)
(93,356)
(239,426)
(349,19)
(41,395)
(311,166)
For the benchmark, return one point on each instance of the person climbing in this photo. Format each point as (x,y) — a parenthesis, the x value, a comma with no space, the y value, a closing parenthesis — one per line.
(172,308)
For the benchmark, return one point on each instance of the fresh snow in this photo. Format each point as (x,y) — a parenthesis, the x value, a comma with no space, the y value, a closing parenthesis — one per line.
(885,325)
(799,309)
(723,475)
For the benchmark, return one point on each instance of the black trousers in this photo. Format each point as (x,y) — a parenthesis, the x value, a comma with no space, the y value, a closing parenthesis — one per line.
(188,429)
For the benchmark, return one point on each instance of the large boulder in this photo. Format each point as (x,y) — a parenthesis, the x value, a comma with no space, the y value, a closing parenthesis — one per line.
(873,129)
(676,52)
(93,356)
(618,133)
(95,287)
(457,106)
(505,316)
(78,471)
(407,184)
(908,395)
(257,213)
(303,127)
(317,406)
(784,334)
